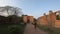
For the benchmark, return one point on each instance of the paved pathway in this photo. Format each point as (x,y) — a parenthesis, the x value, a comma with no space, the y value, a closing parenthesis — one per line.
(31,30)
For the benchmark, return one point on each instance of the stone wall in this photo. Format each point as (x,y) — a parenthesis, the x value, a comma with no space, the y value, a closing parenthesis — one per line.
(27,19)
(42,20)
(45,20)
(57,24)
(31,19)
(49,20)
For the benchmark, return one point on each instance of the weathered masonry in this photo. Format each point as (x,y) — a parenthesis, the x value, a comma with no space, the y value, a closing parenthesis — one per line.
(28,19)
(52,19)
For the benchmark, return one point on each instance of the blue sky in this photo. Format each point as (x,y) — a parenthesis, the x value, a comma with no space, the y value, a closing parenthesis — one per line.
(35,8)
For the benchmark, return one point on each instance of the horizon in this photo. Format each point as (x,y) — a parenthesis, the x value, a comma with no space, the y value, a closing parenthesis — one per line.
(35,8)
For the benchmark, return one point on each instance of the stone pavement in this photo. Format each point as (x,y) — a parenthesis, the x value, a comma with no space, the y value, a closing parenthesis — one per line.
(31,30)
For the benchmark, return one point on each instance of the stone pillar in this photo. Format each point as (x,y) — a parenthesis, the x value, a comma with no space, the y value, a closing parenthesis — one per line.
(25,19)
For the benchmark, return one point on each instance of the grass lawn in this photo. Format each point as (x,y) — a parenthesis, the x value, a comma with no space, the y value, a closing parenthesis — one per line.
(50,30)
(12,29)
(55,31)
(44,28)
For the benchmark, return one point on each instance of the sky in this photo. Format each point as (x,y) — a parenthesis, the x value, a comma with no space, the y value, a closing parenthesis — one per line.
(34,8)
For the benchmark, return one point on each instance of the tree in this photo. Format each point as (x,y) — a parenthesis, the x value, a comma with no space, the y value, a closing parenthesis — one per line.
(12,10)
(13,14)
(17,11)
(6,8)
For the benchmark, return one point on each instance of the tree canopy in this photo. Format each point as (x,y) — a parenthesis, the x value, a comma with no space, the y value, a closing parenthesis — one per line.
(9,10)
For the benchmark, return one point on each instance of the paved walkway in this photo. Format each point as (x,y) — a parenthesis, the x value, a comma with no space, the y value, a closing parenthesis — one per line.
(31,30)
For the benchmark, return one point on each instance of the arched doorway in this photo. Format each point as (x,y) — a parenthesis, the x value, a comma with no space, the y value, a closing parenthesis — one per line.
(28,21)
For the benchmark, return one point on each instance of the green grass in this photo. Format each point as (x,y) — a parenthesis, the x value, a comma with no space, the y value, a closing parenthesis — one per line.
(12,29)
(50,30)
(55,31)
(44,28)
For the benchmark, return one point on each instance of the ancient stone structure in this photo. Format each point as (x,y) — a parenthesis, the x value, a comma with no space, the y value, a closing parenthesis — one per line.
(42,20)
(25,19)
(57,21)
(31,19)
(28,19)
(50,19)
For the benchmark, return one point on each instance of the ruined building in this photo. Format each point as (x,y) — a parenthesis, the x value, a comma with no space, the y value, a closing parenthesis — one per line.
(28,19)
(52,19)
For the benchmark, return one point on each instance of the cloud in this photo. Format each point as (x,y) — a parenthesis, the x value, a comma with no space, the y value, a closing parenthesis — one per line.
(10,2)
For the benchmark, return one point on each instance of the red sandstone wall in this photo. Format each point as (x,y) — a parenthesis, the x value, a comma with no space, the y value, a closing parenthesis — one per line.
(42,20)
(25,19)
(31,19)
(49,20)
(39,20)
(57,24)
